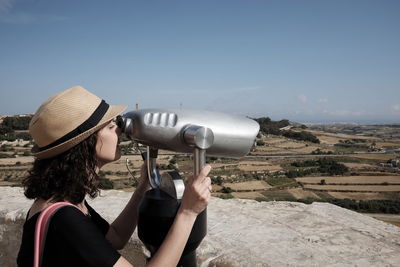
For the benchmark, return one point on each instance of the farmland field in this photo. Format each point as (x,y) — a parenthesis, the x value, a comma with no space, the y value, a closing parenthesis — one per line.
(135,160)
(361,180)
(354,188)
(271,150)
(300,193)
(359,196)
(373,173)
(258,166)
(381,157)
(358,165)
(388,144)
(248,186)
(12,161)
(339,135)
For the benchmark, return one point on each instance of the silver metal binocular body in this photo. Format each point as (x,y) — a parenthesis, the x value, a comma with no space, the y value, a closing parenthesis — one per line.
(220,134)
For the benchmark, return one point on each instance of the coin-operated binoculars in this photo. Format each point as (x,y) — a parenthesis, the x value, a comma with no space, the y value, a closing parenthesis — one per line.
(185,131)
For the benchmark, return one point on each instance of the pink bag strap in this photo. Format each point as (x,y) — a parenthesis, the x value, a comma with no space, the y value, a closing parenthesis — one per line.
(42,225)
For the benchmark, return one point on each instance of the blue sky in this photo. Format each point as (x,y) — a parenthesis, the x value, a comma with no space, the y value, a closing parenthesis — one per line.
(306,61)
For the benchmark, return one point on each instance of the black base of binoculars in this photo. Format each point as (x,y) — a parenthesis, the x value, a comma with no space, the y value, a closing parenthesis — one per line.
(156,215)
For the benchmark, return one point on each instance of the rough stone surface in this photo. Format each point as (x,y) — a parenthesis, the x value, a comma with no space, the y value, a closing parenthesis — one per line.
(247,233)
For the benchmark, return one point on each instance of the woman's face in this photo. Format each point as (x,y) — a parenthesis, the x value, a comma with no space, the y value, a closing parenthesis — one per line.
(107,149)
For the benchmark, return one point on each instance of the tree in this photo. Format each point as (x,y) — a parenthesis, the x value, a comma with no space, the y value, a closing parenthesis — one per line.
(260,143)
(226,190)
(268,126)
(4,129)
(303,136)
(17,123)
(23,136)
(216,180)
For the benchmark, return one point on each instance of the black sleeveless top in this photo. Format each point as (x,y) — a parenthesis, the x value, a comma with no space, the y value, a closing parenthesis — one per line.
(73,239)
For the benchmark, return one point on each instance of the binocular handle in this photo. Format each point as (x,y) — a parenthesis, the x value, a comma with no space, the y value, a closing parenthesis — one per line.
(152,171)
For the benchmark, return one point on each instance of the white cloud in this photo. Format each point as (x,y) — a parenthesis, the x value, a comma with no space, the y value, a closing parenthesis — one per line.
(302,98)
(6,5)
(322,100)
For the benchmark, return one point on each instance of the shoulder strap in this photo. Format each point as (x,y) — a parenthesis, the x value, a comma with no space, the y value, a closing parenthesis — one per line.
(42,225)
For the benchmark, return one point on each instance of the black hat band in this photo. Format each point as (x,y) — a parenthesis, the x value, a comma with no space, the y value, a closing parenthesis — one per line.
(91,122)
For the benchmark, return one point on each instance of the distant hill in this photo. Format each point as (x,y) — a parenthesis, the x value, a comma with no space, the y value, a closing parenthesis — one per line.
(15,127)
(282,127)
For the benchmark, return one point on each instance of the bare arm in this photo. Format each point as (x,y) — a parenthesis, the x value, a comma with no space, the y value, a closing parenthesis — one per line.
(124,225)
(195,200)
(122,262)
(171,250)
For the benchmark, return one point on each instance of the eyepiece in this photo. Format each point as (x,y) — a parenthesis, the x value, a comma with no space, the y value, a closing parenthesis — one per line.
(126,125)
(120,122)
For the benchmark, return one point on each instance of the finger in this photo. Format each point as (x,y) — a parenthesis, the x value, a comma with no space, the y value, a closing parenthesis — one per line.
(208,195)
(204,192)
(205,171)
(207,181)
(201,176)
(205,188)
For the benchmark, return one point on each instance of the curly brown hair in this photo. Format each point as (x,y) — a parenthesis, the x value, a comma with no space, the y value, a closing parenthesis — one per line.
(68,176)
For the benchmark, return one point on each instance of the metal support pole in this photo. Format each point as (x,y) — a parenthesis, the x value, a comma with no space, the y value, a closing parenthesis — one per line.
(199,160)
(152,171)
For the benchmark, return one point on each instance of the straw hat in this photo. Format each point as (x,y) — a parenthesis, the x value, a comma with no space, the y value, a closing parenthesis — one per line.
(68,118)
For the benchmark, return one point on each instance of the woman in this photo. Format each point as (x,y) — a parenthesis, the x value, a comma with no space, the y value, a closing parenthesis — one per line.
(75,135)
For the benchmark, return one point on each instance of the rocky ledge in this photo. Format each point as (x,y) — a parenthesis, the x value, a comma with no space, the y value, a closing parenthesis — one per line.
(247,233)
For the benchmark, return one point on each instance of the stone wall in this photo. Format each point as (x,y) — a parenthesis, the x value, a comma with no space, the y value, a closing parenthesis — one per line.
(247,233)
